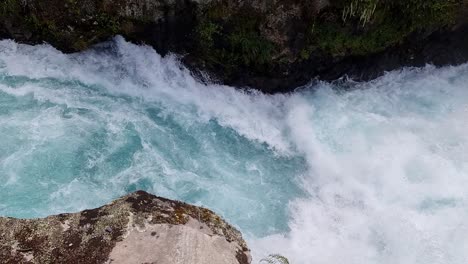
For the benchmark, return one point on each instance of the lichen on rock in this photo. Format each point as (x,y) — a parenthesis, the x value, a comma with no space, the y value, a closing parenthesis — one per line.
(138,227)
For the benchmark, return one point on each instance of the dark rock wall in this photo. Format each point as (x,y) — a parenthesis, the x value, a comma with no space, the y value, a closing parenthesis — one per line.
(271,45)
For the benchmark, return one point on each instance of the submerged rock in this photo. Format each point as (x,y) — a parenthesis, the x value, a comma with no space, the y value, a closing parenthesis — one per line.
(137,228)
(271,45)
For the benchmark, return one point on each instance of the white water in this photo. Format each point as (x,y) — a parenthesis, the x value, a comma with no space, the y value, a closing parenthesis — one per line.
(374,174)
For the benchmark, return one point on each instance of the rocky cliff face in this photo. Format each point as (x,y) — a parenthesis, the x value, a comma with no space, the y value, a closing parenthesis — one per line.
(138,228)
(272,45)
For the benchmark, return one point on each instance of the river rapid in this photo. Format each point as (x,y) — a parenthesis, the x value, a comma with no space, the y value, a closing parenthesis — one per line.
(341,172)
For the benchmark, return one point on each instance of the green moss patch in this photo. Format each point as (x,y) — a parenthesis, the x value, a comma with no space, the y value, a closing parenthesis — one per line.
(232,39)
(360,27)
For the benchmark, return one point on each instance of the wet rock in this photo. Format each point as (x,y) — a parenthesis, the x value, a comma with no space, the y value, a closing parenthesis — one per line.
(137,228)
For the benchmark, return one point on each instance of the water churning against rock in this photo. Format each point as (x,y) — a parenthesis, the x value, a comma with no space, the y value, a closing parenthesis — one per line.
(374,173)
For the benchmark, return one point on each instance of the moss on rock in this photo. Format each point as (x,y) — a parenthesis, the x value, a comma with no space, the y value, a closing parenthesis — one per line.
(372,25)
(91,235)
(232,39)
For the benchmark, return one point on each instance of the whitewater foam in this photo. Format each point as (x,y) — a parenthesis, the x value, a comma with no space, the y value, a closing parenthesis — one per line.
(376,173)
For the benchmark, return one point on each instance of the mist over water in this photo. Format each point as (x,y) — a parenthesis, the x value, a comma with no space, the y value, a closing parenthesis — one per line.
(376,173)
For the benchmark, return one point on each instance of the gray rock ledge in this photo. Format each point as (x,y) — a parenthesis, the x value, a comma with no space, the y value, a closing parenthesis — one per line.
(137,228)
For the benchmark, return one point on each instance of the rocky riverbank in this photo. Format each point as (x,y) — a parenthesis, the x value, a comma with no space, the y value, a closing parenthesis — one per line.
(271,45)
(137,228)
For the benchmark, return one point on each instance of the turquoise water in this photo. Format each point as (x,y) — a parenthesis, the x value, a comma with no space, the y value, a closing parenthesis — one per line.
(375,173)
(66,146)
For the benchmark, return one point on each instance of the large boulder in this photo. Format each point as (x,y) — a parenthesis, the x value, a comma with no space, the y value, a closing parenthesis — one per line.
(137,228)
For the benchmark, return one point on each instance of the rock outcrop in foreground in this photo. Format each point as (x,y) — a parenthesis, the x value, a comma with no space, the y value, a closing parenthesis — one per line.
(137,228)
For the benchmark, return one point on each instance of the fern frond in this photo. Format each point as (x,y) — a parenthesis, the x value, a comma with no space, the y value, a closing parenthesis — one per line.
(275,259)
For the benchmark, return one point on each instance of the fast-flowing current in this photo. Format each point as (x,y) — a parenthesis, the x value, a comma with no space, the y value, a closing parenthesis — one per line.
(341,172)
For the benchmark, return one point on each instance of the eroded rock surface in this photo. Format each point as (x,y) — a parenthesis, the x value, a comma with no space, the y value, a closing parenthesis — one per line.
(138,228)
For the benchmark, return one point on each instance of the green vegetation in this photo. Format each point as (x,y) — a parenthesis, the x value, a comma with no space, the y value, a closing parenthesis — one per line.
(275,259)
(363,9)
(414,12)
(9,7)
(206,31)
(232,40)
(340,41)
(369,26)
(246,44)
(65,26)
